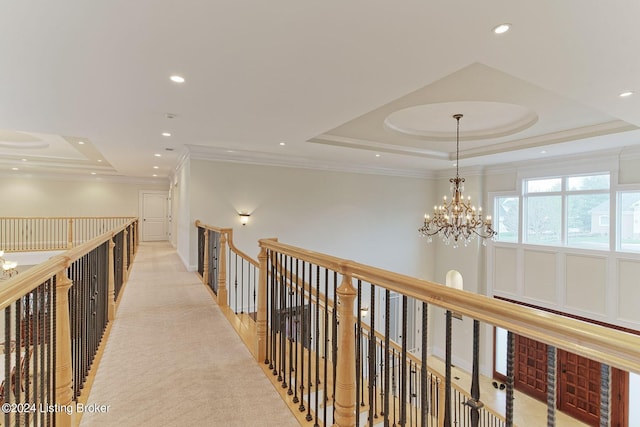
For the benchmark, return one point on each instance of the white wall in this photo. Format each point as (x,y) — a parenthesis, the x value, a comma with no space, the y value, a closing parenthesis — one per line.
(599,285)
(183,224)
(31,196)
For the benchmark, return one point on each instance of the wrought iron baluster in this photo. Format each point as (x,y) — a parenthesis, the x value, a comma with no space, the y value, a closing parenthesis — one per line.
(317,346)
(303,321)
(403,366)
(447,378)
(424,376)
(551,385)
(358,335)
(311,338)
(510,374)
(605,374)
(387,332)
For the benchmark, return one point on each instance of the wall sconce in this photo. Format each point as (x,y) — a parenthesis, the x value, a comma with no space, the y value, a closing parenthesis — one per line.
(364,311)
(244,218)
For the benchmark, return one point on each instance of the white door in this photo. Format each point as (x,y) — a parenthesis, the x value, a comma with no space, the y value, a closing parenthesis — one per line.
(153,210)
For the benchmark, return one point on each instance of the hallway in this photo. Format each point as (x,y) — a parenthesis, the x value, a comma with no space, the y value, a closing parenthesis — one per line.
(172,359)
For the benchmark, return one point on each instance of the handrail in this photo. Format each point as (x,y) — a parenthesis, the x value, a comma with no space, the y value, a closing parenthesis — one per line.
(32,234)
(25,282)
(232,246)
(612,347)
(330,307)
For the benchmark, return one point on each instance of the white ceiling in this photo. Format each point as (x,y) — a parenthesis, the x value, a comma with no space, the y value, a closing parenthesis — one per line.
(321,76)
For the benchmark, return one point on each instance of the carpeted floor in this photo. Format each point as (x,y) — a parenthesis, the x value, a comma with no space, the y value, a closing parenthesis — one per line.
(172,359)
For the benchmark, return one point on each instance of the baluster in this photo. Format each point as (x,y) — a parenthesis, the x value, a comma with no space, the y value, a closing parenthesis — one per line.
(551,385)
(474,403)
(235,284)
(311,338)
(403,366)
(334,342)
(303,321)
(7,360)
(326,343)
(297,320)
(510,373)
(447,377)
(18,346)
(290,316)
(317,347)
(358,336)
(281,313)
(605,373)
(424,403)
(372,354)
(393,384)
(387,332)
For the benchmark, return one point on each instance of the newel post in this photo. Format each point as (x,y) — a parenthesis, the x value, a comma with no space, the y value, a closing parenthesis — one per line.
(111,291)
(222,271)
(64,372)
(345,398)
(261,316)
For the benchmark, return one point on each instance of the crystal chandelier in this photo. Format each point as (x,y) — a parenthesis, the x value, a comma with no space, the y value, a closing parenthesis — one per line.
(457,220)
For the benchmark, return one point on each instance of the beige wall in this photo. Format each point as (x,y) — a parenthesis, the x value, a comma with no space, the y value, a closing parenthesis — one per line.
(49,197)
(367,218)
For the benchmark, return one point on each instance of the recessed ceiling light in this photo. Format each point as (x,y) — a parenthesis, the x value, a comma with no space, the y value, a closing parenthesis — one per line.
(625,94)
(80,142)
(502,28)
(14,169)
(158,155)
(93,173)
(99,160)
(283,143)
(156,167)
(24,160)
(177,79)
(377,155)
(166,134)
(154,175)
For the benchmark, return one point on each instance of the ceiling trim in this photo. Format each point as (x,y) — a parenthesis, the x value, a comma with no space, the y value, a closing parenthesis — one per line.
(200,152)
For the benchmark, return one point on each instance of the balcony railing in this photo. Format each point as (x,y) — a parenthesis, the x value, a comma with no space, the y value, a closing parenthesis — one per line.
(338,364)
(27,234)
(55,318)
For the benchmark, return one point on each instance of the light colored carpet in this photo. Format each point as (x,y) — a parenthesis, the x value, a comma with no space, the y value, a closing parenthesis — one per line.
(172,359)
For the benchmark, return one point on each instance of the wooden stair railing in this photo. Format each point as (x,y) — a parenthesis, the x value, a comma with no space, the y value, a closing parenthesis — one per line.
(57,298)
(289,287)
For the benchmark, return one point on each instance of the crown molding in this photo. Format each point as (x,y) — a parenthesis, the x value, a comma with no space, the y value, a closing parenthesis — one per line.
(85,178)
(199,152)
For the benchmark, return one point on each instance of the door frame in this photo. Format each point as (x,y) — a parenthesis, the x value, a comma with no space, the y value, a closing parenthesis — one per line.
(141,195)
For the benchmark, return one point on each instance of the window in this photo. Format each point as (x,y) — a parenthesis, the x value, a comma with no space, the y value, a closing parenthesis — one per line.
(567,211)
(507,218)
(628,215)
